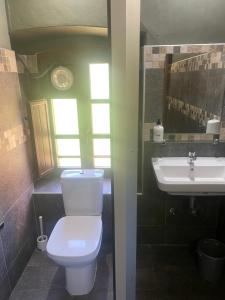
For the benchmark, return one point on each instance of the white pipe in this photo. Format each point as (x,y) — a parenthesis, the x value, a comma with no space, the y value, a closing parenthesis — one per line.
(41,225)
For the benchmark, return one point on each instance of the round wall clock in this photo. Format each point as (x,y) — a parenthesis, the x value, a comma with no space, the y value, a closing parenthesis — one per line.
(62,78)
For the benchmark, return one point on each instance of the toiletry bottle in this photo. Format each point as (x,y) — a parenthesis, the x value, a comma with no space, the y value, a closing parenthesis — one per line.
(158,132)
(213,126)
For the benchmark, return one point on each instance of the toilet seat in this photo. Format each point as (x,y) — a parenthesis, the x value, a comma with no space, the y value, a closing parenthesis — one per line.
(75,239)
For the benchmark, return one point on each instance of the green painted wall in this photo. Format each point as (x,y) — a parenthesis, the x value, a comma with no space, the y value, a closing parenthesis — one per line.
(4,36)
(183,21)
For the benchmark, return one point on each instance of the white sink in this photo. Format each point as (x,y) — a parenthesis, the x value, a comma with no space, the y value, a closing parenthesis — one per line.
(175,177)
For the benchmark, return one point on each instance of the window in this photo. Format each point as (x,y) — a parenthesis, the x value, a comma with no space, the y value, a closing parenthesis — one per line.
(66,132)
(100,109)
(99,79)
(82,128)
(100,118)
(65,116)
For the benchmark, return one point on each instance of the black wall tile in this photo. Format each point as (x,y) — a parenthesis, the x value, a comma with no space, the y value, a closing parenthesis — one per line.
(50,207)
(21,260)
(150,234)
(5,289)
(206,211)
(154,89)
(107,213)
(19,225)
(175,234)
(221,220)
(3,268)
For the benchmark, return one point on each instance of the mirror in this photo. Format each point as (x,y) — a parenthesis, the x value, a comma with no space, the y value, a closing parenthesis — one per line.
(194,91)
(184,88)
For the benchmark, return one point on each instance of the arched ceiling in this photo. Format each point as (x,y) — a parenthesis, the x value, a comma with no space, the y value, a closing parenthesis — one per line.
(164,21)
(26,14)
(54,32)
(42,19)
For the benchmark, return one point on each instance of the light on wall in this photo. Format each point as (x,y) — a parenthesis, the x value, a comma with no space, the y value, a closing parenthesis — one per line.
(62,78)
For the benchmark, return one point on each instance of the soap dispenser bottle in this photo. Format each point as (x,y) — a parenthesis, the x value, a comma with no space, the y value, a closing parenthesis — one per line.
(158,132)
(213,126)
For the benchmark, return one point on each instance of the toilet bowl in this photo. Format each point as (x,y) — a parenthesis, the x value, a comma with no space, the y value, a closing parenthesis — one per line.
(74,244)
(76,238)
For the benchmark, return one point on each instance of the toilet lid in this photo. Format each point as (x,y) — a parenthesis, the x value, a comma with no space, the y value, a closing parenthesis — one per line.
(75,236)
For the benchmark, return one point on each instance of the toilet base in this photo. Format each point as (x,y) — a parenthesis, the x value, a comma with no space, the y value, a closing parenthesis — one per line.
(80,280)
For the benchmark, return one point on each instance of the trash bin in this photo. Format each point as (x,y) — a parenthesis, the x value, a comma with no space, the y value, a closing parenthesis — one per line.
(211,256)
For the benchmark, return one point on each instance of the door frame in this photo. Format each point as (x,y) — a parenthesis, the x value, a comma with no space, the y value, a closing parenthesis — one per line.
(124,18)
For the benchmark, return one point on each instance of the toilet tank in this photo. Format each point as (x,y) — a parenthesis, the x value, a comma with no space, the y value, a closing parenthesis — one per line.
(82,192)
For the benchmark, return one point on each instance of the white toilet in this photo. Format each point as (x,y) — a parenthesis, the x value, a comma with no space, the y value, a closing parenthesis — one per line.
(76,238)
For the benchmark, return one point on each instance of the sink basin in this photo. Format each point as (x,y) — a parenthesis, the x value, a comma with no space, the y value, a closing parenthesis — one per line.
(175,177)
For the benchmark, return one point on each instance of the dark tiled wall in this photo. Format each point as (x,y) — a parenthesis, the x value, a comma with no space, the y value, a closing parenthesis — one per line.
(204,89)
(207,94)
(155,223)
(221,221)
(16,209)
(154,94)
(50,206)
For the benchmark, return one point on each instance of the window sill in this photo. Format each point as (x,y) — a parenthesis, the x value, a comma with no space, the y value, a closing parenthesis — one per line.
(51,185)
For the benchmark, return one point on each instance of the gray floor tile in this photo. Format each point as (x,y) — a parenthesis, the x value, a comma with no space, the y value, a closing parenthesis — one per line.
(29,295)
(39,259)
(44,280)
(58,294)
(58,280)
(100,295)
(104,276)
(171,273)
(61,294)
(36,278)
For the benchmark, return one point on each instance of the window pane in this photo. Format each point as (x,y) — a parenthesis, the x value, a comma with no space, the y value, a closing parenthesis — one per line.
(100,119)
(65,116)
(101,147)
(102,162)
(69,162)
(99,77)
(68,147)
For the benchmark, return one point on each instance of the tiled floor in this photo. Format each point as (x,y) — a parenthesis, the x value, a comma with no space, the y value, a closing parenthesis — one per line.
(43,280)
(163,273)
(170,273)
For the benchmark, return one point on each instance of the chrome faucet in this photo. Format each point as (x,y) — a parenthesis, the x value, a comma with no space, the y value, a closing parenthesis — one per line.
(191,158)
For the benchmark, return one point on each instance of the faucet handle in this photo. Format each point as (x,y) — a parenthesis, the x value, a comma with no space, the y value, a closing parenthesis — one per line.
(192,155)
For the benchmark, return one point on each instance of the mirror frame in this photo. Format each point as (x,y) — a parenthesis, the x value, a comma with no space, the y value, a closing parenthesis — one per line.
(154,57)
